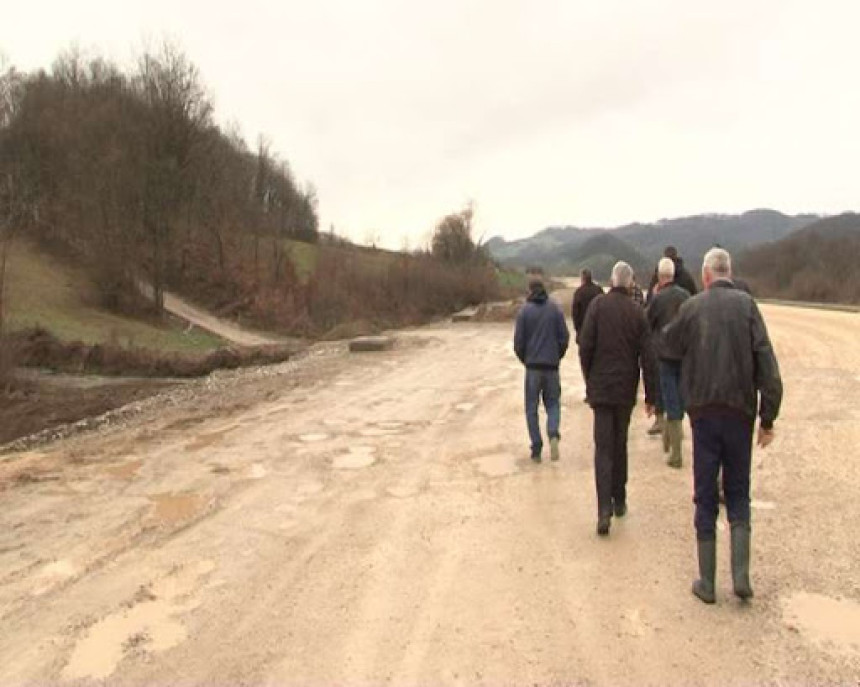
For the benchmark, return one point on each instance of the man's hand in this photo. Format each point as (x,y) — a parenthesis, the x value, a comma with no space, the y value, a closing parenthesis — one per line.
(649,409)
(765,436)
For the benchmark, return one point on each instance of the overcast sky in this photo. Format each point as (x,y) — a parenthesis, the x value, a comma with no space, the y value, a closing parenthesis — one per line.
(586,112)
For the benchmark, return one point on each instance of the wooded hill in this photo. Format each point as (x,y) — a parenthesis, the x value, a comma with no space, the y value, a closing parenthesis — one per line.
(818,263)
(127,174)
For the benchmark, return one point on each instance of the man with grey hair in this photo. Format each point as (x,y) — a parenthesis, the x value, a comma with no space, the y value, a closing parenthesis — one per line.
(662,309)
(614,347)
(728,374)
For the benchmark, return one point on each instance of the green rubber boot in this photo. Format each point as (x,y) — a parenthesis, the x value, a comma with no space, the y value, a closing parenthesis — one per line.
(704,586)
(741,560)
(675,431)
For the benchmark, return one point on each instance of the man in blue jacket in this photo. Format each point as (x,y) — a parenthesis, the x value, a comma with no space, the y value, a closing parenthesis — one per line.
(540,342)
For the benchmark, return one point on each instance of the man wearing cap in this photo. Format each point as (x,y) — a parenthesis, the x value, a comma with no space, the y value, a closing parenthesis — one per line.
(729,373)
(541,338)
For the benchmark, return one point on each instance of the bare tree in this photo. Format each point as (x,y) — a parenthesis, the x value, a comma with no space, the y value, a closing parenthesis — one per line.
(14,191)
(178,113)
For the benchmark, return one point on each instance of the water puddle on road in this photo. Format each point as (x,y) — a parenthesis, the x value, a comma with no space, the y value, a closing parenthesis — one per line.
(313,438)
(831,623)
(173,508)
(497,465)
(53,574)
(357,457)
(146,624)
(206,440)
(379,431)
(126,471)
(257,471)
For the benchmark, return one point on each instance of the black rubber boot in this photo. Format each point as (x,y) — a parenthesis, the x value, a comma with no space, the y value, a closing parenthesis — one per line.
(704,586)
(741,560)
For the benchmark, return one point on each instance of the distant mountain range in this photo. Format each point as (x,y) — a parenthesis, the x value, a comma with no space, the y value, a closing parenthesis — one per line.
(565,250)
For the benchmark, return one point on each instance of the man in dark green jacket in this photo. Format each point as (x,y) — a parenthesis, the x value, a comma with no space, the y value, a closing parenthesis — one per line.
(729,373)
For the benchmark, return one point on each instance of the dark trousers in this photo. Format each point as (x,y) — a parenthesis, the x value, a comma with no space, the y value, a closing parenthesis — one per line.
(721,440)
(610,455)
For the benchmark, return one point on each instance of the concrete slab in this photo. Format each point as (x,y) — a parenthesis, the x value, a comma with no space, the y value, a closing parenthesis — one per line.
(371,343)
(467,315)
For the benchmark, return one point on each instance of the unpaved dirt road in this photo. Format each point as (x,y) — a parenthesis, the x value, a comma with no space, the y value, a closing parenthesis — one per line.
(374,519)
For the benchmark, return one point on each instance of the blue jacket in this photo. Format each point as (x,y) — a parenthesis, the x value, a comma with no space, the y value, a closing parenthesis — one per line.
(541,336)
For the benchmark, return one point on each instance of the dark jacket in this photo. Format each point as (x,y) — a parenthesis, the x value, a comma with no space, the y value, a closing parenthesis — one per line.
(682,278)
(661,310)
(541,336)
(613,347)
(727,358)
(581,300)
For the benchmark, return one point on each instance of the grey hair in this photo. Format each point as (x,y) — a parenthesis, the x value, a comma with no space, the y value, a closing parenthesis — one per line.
(666,267)
(718,262)
(622,275)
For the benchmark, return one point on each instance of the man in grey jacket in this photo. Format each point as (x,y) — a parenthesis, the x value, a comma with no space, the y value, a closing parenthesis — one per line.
(662,309)
(729,373)
(541,339)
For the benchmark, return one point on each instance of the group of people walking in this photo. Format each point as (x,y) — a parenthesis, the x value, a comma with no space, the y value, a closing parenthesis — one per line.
(707,355)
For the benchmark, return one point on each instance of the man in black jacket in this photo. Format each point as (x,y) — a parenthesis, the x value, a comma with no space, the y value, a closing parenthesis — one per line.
(662,309)
(728,374)
(613,347)
(541,339)
(582,298)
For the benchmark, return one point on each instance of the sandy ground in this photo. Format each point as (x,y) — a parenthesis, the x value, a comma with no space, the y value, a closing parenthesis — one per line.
(374,518)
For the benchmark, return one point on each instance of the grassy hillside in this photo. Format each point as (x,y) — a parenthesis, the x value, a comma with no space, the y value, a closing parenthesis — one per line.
(818,263)
(43,291)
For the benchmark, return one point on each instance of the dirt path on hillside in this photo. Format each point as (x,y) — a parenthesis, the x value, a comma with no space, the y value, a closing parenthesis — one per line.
(198,317)
(375,519)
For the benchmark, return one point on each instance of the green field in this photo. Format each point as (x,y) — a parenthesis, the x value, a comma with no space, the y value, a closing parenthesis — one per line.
(42,291)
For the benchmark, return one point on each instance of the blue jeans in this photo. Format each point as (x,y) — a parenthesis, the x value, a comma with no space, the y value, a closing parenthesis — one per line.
(670,389)
(721,439)
(543,384)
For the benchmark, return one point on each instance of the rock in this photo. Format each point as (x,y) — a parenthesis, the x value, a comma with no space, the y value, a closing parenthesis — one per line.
(371,343)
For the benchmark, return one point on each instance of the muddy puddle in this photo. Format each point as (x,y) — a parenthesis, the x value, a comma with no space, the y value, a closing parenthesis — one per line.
(173,508)
(313,438)
(497,465)
(357,457)
(148,624)
(832,624)
(206,440)
(126,471)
